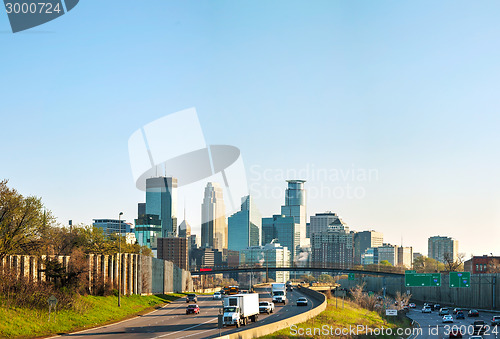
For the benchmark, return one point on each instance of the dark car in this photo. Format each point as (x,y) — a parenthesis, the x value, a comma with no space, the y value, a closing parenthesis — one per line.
(479,327)
(460,315)
(436,307)
(193,309)
(457,309)
(495,321)
(191,298)
(473,313)
(455,333)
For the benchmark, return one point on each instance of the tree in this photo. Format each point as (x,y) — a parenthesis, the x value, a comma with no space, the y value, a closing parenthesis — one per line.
(427,265)
(23,222)
(307,278)
(325,278)
(451,264)
(385,263)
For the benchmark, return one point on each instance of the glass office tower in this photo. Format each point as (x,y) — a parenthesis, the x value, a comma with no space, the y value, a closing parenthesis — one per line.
(244,227)
(295,206)
(161,200)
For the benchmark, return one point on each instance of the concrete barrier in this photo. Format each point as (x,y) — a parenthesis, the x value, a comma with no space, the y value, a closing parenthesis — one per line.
(260,331)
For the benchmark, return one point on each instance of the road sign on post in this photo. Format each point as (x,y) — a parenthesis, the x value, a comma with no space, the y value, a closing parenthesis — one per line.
(391,312)
(459,279)
(351,276)
(423,279)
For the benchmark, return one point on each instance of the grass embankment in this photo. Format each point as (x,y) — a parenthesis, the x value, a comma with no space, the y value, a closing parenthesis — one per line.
(339,318)
(89,311)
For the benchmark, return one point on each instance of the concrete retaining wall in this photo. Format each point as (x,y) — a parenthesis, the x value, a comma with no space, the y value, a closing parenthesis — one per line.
(484,292)
(139,274)
(285,323)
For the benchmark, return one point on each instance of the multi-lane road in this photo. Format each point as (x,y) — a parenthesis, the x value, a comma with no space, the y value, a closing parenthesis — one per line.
(432,324)
(172,322)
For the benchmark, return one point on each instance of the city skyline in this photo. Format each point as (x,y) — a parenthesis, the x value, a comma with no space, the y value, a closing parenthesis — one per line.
(401,116)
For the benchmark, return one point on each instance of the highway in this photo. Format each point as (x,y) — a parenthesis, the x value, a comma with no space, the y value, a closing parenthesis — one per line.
(172,322)
(433,327)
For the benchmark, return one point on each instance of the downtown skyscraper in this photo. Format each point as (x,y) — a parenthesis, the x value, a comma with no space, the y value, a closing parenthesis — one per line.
(161,200)
(245,226)
(295,206)
(213,218)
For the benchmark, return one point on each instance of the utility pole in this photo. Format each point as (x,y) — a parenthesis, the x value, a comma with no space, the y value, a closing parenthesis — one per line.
(120,259)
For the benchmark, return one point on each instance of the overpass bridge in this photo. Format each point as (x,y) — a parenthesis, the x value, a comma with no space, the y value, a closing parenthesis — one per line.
(199,271)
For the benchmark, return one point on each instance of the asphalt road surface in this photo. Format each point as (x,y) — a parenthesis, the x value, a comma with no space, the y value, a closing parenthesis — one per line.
(172,322)
(433,327)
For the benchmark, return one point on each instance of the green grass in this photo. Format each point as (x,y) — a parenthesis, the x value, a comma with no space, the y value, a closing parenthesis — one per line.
(89,311)
(350,315)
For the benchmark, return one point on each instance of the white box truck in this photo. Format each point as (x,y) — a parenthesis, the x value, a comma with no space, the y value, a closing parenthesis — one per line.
(239,309)
(278,291)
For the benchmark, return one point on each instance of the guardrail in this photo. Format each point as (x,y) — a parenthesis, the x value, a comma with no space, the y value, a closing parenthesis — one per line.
(260,331)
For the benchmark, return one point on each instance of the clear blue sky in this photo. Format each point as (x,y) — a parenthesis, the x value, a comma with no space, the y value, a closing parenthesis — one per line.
(408,89)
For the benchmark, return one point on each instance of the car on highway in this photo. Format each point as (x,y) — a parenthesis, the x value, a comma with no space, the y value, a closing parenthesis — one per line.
(436,307)
(455,333)
(191,297)
(476,337)
(479,327)
(495,320)
(473,313)
(302,301)
(458,309)
(444,311)
(217,296)
(412,305)
(426,309)
(460,315)
(266,307)
(193,308)
(447,318)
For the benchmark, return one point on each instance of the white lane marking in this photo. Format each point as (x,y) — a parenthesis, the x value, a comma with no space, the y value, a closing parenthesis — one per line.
(197,333)
(166,334)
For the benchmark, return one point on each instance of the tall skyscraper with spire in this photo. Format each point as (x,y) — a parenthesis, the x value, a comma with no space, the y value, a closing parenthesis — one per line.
(295,206)
(213,218)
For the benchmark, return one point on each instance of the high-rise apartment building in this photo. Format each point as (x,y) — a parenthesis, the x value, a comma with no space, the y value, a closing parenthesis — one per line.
(174,250)
(321,221)
(295,206)
(442,248)
(370,256)
(364,240)
(213,218)
(161,200)
(284,230)
(335,246)
(245,226)
(389,253)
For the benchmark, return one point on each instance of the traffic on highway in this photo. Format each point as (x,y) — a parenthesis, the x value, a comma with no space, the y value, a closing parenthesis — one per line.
(192,318)
(439,321)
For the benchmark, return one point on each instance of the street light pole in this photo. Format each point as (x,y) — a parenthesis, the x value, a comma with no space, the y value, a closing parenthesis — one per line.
(120,259)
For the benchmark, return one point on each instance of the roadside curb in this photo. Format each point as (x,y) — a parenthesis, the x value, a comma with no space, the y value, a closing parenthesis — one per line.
(279,325)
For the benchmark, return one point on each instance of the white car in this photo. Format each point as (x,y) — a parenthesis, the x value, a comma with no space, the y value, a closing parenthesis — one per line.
(217,296)
(266,307)
(302,301)
(447,318)
(427,309)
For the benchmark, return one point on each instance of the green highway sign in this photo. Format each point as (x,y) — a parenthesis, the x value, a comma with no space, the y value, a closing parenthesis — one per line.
(422,279)
(351,276)
(459,279)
